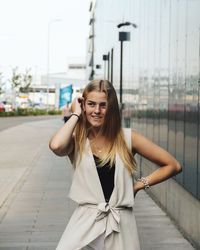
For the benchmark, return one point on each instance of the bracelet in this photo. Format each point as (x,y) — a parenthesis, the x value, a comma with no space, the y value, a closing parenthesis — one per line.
(145,182)
(75,115)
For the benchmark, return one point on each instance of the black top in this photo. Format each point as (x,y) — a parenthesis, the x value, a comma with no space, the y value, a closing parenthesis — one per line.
(106,176)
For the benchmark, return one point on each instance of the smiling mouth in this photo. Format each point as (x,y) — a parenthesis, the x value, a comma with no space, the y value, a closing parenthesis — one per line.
(96,117)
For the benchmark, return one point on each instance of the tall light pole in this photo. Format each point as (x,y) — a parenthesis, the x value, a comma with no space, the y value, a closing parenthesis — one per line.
(48,55)
(105,58)
(123,36)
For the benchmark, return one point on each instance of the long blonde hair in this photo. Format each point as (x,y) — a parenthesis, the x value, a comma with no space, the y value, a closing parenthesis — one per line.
(111,129)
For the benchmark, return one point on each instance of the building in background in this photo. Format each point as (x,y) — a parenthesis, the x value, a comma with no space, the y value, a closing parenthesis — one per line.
(43,95)
(50,93)
(160,87)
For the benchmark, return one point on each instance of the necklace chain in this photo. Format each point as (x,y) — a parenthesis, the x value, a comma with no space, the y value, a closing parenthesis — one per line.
(95,147)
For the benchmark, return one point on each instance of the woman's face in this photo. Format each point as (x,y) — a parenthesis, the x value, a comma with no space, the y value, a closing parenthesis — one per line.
(95,108)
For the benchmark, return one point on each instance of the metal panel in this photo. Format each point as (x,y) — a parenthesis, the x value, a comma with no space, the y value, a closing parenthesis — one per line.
(191,118)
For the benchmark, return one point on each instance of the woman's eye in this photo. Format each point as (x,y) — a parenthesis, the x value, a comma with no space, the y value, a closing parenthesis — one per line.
(103,106)
(91,104)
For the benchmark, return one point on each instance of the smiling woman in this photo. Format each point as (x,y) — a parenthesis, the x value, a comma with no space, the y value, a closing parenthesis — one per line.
(95,108)
(102,153)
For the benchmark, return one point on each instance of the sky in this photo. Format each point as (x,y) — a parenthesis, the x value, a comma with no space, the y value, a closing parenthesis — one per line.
(24,34)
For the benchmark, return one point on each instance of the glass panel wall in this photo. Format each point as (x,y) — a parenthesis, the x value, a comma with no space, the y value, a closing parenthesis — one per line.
(191,97)
(164,72)
(180,79)
(160,73)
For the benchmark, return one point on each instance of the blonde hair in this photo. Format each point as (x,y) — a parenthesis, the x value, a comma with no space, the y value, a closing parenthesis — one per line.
(111,129)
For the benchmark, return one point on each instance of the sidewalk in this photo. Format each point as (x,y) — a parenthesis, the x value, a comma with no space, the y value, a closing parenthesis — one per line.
(34,184)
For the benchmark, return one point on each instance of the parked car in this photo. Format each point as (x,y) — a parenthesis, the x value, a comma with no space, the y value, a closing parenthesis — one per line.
(24,105)
(7,106)
(2,108)
(39,106)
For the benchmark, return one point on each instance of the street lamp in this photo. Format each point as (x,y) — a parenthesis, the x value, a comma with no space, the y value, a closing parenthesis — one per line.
(105,58)
(48,55)
(123,36)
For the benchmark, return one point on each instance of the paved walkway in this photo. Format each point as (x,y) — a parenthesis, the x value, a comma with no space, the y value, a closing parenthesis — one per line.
(12,121)
(34,208)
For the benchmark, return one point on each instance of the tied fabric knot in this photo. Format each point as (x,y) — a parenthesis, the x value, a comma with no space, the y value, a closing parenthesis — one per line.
(113,217)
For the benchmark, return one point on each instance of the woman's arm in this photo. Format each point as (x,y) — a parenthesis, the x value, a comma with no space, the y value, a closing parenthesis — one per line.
(62,142)
(169,166)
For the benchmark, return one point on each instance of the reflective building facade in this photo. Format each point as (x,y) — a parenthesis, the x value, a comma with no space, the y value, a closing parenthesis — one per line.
(161,86)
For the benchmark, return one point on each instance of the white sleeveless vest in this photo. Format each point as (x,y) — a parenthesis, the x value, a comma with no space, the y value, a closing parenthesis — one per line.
(93,216)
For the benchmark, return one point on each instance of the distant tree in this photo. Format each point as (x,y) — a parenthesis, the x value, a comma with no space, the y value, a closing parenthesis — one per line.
(16,79)
(27,80)
(21,82)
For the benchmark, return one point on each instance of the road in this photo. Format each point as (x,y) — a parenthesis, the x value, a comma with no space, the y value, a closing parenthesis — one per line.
(8,122)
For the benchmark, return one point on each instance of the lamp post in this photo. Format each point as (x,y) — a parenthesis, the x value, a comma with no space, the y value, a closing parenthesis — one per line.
(123,36)
(48,55)
(105,58)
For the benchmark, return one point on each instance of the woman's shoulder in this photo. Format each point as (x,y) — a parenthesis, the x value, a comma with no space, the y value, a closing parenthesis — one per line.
(130,134)
(127,136)
(129,131)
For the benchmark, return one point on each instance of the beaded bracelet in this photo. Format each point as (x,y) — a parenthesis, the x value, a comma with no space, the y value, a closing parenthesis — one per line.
(75,115)
(145,182)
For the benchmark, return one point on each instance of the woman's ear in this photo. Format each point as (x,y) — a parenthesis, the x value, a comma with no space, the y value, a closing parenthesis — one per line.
(83,104)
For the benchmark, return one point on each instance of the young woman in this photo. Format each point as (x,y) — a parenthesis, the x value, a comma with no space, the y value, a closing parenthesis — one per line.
(103,185)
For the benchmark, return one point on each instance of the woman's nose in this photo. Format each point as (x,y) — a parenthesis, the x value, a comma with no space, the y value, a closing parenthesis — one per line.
(97,109)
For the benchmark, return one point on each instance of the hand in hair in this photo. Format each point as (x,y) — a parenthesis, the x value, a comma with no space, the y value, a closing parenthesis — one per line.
(77,105)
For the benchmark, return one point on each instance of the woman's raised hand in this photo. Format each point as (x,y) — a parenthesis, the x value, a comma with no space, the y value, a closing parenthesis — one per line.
(77,105)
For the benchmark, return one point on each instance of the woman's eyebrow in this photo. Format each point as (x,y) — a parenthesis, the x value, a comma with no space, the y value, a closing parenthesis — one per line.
(97,102)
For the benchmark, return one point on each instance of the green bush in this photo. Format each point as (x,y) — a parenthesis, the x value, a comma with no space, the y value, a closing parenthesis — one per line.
(55,112)
(21,112)
(30,111)
(40,112)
